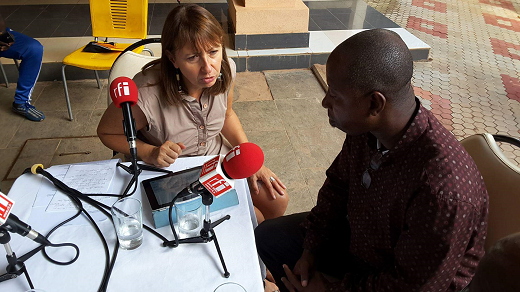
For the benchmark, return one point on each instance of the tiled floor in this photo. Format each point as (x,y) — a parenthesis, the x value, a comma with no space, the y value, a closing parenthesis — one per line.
(471,83)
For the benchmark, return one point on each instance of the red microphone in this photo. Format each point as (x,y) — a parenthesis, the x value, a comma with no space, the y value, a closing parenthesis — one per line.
(243,161)
(218,174)
(123,92)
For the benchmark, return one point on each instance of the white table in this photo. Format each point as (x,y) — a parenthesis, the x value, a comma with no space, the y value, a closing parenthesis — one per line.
(151,267)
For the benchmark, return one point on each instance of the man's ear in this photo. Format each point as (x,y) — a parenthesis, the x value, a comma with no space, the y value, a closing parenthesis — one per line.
(377,103)
(171,58)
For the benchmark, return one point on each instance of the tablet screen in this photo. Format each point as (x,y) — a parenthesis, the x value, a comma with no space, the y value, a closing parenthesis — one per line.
(161,190)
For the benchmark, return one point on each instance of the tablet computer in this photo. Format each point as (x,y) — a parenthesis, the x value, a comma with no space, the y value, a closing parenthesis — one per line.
(162,189)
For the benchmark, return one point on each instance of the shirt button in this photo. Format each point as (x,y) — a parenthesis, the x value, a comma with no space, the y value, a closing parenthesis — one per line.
(201,127)
(202,143)
(205,105)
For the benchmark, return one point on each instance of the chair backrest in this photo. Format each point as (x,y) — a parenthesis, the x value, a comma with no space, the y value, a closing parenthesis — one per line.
(502,179)
(128,64)
(119,18)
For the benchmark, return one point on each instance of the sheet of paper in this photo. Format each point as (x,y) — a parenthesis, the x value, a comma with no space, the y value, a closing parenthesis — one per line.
(88,179)
(47,189)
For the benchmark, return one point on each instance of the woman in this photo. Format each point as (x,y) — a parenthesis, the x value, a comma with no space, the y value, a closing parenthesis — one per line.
(185,105)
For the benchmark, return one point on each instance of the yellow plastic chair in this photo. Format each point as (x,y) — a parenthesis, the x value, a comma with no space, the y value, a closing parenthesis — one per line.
(110,19)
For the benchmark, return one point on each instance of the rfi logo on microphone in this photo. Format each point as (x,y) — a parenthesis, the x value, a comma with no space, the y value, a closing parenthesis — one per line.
(125,87)
(210,165)
(6,204)
(234,152)
(216,185)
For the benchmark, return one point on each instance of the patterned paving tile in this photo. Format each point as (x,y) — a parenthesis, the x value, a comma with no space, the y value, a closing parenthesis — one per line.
(431,4)
(440,107)
(428,26)
(500,3)
(503,48)
(512,86)
(502,22)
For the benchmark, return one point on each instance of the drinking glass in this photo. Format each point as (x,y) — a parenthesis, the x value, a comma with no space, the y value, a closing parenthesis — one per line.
(189,214)
(230,287)
(128,221)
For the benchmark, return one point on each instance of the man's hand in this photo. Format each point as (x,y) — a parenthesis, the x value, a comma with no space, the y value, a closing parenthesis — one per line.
(5,46)
(164,155)
(270,181)
(316,284)
(304,267)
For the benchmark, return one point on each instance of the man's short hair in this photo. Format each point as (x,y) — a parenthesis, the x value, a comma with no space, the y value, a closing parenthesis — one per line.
(374,60)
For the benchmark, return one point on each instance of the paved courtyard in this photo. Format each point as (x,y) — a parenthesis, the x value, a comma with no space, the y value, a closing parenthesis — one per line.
(472,81)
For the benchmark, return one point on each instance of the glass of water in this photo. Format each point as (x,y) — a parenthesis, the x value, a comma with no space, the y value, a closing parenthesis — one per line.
(127,214)
(230,287)
(189,214)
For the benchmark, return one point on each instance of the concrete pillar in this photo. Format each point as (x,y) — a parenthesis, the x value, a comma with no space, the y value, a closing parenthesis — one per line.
(268,17)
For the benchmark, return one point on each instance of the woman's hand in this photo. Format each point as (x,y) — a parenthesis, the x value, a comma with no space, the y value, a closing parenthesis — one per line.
(164,155)
(269,180)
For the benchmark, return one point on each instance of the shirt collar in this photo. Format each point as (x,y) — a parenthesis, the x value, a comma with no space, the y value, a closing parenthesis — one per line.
(416,127)
(190,98)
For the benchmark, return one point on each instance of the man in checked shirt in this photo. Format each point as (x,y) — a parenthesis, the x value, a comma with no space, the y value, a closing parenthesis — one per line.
(403,207)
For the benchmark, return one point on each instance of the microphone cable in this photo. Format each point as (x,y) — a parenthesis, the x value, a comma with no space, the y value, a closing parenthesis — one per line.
(76,196)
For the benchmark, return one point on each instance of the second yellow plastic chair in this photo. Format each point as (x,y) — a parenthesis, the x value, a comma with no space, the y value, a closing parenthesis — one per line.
(110,19)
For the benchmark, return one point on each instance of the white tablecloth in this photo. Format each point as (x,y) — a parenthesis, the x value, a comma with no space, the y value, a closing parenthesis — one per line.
(151,267)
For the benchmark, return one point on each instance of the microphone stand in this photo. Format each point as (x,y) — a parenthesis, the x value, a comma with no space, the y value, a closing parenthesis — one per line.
(15,266)
(136,168)
(207,234)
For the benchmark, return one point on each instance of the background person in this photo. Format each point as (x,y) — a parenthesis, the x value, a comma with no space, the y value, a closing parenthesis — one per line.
(30,52)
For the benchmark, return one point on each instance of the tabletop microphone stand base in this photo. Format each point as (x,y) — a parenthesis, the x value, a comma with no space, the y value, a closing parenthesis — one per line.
(15,267)
(135,171)
(207,233)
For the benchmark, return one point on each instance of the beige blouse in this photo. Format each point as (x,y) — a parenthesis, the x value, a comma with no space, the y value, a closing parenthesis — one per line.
(195,124)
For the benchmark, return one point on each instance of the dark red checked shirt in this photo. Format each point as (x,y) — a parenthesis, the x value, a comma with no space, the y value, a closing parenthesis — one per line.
(421,224)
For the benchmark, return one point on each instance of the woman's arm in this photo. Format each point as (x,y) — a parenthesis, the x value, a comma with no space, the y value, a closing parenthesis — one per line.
(235,134)
(232,128)
(111,133)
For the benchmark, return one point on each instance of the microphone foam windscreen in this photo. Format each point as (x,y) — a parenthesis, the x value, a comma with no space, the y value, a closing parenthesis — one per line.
(243,160)
(123,89)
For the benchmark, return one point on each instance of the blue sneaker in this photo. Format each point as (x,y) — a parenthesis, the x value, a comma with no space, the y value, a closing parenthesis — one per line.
(28,111)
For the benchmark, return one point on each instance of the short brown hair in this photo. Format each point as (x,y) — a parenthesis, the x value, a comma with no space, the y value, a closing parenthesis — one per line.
(189,24)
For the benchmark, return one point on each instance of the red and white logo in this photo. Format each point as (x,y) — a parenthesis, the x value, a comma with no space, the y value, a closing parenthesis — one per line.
(233,152)
(122,86)
(210,165)
(6,205)
(216,185)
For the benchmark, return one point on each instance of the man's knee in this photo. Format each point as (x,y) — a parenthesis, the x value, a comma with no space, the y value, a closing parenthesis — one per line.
(263,234)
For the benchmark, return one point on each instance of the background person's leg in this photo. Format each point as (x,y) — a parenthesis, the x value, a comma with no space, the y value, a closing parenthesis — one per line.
(30,52)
